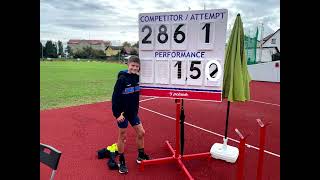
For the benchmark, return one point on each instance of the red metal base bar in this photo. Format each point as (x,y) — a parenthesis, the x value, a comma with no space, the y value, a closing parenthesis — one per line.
(177,159)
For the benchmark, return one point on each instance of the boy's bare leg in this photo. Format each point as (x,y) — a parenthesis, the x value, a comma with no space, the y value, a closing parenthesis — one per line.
(122,139)
(140,135)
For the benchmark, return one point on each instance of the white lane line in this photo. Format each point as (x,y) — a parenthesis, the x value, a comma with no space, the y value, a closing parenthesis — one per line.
(248,145)
(91,104)
(265,103)
(148,99)
(210,101)
(157,113)
(191,100)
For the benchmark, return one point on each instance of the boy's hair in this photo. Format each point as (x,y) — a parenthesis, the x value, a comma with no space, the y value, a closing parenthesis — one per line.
(134,59)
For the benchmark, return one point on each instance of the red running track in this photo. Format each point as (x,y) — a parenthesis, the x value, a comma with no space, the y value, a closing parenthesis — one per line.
(80,131)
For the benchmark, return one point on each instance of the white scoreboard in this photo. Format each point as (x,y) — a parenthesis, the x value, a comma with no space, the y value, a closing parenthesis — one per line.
(182,54)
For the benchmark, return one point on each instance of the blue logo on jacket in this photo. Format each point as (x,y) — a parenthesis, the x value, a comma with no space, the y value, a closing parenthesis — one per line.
(131,90)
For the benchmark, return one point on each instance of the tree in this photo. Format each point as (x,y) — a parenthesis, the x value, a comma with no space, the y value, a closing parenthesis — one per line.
(78,54)
(122,51)
(45,52)
(60,48)
(69,51)
(126,44)
(100,54)
(88,52)
(136,44)
(50,49)
(41,50)
(134,52)
(55,50)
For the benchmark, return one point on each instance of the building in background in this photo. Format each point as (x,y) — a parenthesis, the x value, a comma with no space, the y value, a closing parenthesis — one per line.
(77,44)
(267,67)
(112,50)
(269,48)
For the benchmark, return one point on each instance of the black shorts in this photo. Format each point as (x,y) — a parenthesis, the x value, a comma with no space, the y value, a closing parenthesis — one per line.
(124,124)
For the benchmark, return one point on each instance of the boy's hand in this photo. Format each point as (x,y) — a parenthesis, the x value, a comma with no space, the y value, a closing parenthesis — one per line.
(120,118)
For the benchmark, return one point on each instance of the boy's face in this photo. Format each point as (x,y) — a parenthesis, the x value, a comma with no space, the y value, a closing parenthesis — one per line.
(133,68)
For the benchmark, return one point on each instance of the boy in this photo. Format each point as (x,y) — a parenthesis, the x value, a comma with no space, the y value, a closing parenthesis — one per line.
(125,104)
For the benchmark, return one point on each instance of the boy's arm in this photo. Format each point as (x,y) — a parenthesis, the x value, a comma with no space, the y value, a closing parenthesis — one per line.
(117,104)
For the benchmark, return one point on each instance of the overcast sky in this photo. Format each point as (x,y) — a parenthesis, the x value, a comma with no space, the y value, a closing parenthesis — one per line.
(118,20)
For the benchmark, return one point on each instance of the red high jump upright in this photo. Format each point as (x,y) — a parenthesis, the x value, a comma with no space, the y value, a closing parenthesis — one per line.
(262,141)
(242,146)
(176,156)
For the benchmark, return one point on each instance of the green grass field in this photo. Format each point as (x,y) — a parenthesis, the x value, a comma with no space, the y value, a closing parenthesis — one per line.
(67,83)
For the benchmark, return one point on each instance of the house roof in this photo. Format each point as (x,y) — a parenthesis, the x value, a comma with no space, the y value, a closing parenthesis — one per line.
(268,37)
(92,42)
(73,41)
(114,47)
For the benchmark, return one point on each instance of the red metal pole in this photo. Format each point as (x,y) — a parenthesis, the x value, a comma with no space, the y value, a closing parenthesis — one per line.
(185,170)
(178,107)
(176,153)
(262,141)
(241,159)
(170,147)
(141,168)
(159,161)
(242,146)
(196,156)
(261,151)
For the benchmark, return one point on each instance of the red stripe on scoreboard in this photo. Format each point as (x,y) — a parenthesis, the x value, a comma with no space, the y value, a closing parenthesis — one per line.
(198,95)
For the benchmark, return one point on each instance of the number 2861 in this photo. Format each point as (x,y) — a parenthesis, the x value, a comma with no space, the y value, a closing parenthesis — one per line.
(179,35)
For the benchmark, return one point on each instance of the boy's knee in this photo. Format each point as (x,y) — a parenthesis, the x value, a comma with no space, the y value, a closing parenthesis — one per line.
(141,133)
(123,139)
(123,136)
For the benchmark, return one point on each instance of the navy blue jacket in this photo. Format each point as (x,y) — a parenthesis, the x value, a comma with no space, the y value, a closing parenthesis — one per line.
(125,97)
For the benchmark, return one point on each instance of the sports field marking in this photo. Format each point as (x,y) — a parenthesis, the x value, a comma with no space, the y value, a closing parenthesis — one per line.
(248,145)
(249,100)
(265,103)
(148,99)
